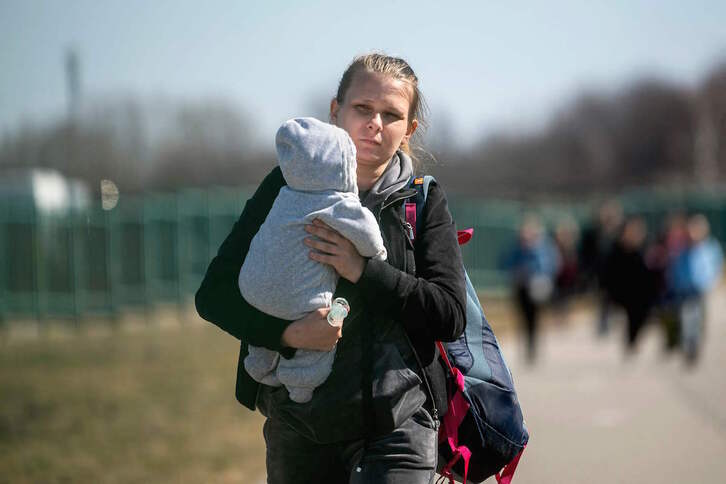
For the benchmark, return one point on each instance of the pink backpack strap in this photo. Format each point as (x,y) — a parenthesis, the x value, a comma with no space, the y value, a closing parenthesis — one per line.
(421,184)
(410,209)
(458,408)
(505,477)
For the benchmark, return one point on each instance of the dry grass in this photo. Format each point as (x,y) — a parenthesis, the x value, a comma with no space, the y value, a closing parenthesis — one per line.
(151,405)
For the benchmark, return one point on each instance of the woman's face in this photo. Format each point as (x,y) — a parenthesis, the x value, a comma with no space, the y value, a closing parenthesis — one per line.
(374,112)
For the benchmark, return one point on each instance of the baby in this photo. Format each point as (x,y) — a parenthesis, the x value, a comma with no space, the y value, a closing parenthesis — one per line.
(318,161)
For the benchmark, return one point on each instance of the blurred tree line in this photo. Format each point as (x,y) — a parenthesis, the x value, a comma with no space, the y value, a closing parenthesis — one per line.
(157,145)
(651,132)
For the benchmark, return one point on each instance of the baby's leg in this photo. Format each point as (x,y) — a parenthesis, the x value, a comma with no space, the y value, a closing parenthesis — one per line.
(300,394)
(261,364)
(306,371)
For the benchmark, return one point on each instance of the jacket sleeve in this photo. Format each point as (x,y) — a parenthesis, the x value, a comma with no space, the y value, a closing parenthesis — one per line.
(357,224)
(436,296)
(218,299)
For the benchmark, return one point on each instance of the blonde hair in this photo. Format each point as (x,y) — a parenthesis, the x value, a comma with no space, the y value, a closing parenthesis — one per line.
(396,68)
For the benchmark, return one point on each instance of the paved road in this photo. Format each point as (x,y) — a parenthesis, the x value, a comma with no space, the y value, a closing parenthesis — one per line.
(596,417)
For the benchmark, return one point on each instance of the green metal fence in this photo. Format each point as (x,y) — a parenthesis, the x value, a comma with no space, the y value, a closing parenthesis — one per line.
(147,250)
(155,248)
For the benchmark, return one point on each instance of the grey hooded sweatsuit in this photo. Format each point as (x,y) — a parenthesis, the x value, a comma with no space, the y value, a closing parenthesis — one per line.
(318,160)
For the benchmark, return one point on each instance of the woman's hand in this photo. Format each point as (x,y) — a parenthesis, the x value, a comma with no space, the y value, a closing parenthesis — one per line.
(313,332)
(333,249)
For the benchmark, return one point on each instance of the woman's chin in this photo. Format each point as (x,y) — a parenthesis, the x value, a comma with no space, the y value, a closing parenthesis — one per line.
(372,160)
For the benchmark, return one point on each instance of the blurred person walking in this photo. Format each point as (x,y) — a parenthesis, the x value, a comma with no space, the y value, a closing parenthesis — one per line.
(532,264)
(568,277)
(595,246)
(695,271)
(628,281)
(660,258)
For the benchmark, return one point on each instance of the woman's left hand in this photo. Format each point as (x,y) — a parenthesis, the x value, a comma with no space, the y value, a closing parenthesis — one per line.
(331,248)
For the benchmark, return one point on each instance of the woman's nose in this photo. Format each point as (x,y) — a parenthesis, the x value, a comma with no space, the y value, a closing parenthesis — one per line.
(375,122)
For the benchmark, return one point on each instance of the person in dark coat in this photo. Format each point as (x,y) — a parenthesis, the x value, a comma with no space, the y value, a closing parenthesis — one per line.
(627,279)
(596,244)
(568,275)
(375,418)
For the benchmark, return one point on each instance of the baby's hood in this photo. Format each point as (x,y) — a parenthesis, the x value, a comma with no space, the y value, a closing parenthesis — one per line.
(316,156)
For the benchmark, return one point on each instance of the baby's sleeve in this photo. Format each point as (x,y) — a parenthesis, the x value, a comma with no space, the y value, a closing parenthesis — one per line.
(357,224)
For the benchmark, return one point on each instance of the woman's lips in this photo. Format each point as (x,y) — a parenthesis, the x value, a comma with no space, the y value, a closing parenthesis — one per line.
(370,142)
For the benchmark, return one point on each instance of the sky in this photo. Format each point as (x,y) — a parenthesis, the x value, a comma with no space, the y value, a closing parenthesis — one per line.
(483,65)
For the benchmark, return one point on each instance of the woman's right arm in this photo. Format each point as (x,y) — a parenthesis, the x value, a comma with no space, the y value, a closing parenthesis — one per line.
(218,299)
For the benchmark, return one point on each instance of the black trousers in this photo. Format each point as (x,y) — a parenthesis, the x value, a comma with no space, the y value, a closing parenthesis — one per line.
(405,456)
(636,314)
(529,310)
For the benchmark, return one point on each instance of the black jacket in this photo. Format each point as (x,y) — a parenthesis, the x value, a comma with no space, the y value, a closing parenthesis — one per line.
(421,287)
(627,279)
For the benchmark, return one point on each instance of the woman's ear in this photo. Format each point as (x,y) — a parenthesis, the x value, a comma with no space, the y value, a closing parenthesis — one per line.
(334,107)
(411,129)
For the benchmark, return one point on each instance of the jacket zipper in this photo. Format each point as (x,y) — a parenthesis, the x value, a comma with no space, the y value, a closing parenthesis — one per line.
(409,229)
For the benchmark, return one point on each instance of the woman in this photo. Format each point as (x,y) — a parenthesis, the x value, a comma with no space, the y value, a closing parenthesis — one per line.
(375,418)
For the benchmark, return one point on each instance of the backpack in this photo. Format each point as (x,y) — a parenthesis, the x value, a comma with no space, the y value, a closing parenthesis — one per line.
(483,431)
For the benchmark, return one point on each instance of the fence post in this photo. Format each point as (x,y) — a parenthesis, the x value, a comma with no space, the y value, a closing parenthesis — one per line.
(39,297)
(110,220)
(75,262)
(4,254)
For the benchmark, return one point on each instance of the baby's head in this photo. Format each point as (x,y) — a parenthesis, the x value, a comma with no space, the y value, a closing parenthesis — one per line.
(316,156)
